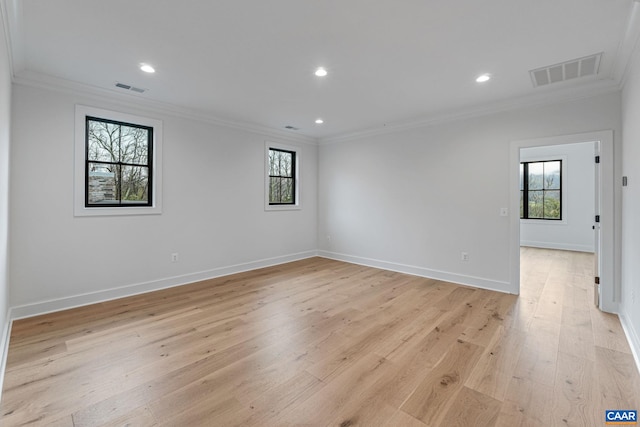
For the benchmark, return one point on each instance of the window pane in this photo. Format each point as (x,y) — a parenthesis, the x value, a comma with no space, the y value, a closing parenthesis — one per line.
(552,175)
(135,184)
(281,190)
(552,204)
(280,163)
(134,145)
(274,190)
(102,184)
(103,142)
(288,164)
(536,171)
(287,190)
(273,162)
(285,163)
(535,204)
(521,176)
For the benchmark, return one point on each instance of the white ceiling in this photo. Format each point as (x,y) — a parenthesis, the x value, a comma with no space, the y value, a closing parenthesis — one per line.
(389,61)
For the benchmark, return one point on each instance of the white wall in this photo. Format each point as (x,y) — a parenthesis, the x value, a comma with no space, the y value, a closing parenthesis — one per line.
(574,231)
(213,210)
(414,200)
(630,307)
(5,121)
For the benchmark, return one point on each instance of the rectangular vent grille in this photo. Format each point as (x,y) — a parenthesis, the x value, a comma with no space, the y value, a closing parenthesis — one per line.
(129,87)
(576,68)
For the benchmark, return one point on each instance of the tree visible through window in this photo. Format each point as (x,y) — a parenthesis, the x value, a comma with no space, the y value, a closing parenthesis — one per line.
(541,190)
(282,172)
(118,168)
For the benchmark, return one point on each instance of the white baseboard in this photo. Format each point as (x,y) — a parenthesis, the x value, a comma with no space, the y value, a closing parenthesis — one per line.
(559,246)
(49,306)
(632,338)
(478,282)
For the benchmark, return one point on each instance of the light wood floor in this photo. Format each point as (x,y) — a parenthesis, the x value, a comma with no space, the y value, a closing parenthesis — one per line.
(320,342)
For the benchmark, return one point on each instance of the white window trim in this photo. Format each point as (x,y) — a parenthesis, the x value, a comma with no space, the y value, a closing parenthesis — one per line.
(298,151)
(79,208)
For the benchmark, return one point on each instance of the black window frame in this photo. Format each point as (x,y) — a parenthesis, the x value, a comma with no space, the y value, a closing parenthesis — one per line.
(293,176)
(148,165)
(524,192)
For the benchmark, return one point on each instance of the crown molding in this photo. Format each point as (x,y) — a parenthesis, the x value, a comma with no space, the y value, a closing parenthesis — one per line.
(628,46)
(4,19)
(598,87)
(47,82)
(11,11)
(11,15)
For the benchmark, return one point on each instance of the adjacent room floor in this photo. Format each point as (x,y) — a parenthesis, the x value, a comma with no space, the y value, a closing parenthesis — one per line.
(320,342)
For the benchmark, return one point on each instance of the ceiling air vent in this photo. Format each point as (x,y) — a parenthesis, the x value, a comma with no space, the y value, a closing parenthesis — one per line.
(291,127)
(129,87)
(581,67)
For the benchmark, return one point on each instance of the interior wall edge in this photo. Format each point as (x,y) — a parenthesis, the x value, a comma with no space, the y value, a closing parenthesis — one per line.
(66,303)
(4,348)
(460,279)
(632,338)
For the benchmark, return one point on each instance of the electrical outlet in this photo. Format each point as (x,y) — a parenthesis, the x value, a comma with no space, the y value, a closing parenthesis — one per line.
(504,212)
(174,257)
(464,256)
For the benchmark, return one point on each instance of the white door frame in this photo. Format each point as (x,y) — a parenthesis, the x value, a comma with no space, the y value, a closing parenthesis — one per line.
(609,288)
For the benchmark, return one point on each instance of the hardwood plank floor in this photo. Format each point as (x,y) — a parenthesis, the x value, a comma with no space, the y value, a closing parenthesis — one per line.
(324,343)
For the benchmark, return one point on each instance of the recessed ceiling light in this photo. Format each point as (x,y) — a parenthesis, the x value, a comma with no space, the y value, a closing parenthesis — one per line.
(321,72)
(483,78)
(319,121)
(147,68)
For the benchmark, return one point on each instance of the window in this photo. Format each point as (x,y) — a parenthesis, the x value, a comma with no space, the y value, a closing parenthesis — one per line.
(282,170)
(118,171)
(281,180)
(118,161)
(541,190)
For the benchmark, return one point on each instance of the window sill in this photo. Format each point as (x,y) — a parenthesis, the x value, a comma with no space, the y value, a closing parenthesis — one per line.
(137,210)
(543,221)
(272,208)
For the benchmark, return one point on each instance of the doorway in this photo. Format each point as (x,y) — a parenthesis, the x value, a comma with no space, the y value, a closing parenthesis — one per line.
(600,238)
(558,183)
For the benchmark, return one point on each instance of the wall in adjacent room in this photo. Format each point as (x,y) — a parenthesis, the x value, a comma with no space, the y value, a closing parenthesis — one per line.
(213,209)
(574,232)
